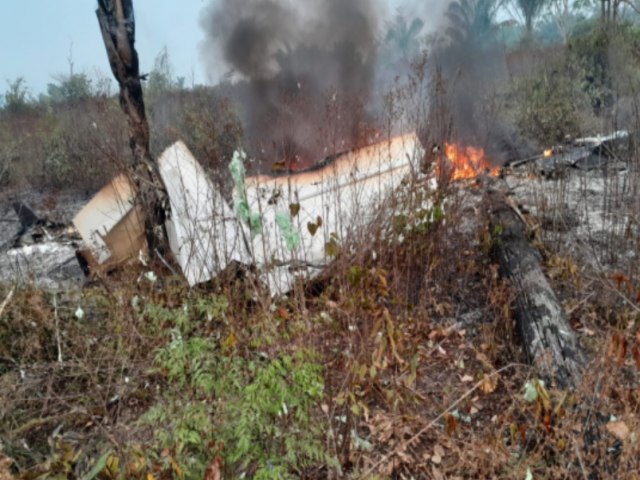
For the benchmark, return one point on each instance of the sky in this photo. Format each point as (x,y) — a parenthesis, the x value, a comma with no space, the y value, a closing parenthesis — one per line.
(38,37)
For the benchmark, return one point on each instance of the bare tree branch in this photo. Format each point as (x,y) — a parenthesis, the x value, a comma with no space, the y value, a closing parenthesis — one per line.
(117,25)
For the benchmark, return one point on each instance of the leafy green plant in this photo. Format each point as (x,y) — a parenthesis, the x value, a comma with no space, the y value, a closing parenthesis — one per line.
(269,427)
(255,413)
(70,88)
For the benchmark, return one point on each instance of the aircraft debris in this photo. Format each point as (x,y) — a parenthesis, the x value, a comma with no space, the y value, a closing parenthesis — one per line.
(582,153)
(111,225)
(281,224)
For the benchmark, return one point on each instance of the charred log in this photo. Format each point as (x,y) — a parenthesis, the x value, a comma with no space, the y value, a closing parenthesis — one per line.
(117,25)
(549,342)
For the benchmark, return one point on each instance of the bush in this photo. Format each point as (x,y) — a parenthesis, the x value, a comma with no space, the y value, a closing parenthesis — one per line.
(549,106)
(75,146)
(603,53)
(256,413)
(17,97)
(202,119)
(7,162)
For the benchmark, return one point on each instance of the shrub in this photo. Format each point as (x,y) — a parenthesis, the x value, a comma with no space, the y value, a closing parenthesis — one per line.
(603,52)
(202,119)
(256,413)
(549,106)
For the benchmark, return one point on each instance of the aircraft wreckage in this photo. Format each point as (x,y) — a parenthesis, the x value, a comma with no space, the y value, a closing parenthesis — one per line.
(281,224)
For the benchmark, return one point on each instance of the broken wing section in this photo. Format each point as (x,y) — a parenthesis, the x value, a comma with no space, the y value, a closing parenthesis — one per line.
(204,234)
(324,206)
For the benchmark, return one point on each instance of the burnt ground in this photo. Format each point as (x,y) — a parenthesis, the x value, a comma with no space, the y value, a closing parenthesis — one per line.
(47,253)
(55,206)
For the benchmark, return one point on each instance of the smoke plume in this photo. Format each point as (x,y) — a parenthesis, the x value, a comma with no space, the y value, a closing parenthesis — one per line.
(472,67)
(302,72)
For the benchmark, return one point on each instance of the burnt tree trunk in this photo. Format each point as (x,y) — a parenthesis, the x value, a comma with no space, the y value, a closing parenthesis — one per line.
(549,342)
(117,25)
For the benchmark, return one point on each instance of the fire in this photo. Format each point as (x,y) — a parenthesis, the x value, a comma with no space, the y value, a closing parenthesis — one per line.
(466,162)
(548,152)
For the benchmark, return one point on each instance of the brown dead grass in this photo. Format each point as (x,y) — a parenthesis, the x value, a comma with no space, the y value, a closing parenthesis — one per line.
(5,467)
(424,375)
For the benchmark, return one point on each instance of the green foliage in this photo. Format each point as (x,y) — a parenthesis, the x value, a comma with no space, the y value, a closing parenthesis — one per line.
(568,93)
(160,80)
(255,413)
(603,53)
(71,88)
(403,36)
(272,430)
(548,106)
(472,22)
(17,96)
(530,9)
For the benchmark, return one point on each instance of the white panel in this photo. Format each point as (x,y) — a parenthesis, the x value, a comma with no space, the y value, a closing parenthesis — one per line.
(204,234)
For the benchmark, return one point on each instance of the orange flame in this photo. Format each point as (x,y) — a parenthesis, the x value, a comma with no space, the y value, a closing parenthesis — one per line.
(548,153)
(466,162)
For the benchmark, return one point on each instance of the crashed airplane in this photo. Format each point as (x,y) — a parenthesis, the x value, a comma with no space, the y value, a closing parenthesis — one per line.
(281,224)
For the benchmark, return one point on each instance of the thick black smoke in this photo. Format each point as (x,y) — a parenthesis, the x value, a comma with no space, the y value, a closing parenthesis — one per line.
(470,69)
(303,72)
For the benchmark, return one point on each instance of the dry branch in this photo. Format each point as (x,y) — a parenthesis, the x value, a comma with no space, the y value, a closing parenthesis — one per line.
(6,301)
(549,342)
(117,25)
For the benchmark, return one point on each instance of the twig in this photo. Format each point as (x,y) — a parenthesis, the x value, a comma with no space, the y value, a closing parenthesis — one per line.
(439,417)
(7,300)
(607,284)
(582,302)
(40,422)
(55,316)
(582,469)
(166,264)
(511,204)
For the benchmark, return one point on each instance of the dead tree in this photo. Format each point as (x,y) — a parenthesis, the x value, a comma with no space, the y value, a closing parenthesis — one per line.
(549,342)
(117,25)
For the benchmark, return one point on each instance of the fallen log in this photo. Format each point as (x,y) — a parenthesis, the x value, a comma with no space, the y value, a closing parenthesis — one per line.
(549,342)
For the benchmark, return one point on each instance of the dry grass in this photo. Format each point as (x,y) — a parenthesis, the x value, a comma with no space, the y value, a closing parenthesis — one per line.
(424,375)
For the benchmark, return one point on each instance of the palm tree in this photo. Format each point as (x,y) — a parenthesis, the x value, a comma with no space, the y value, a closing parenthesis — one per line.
(530,10)
(403,37)
(472,21)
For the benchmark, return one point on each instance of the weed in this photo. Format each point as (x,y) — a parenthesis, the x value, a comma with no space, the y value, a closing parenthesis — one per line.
(257,413)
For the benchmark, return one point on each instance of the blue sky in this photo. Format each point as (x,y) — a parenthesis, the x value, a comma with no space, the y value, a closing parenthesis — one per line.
(37,36)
